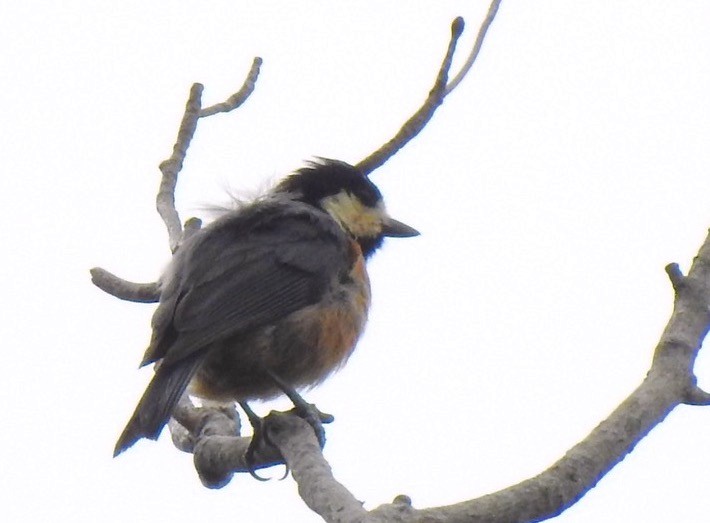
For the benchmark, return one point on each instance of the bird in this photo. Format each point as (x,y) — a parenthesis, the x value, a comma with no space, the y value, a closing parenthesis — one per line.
(268,299)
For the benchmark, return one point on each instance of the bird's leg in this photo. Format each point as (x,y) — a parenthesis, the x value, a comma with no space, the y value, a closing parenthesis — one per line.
(305,410)
(259,435)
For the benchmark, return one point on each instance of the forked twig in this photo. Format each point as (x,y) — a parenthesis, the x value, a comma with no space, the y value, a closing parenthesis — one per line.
(439,91)
(170,168)
(165,200)
(419,119)
(492,11)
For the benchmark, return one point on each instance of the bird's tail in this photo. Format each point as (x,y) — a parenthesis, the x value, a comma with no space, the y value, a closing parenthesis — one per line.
(157,404)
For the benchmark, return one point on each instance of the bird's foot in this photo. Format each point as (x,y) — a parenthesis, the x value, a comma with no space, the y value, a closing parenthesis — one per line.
(260,437)
(305,410)
(314,417)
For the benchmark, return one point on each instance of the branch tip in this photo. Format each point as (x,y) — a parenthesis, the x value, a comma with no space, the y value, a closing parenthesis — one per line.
(124,289)
(402,499)
(697,397)
(193,224)
(483,29)
(457,27)
(675,275)
(414,125)
(241,96)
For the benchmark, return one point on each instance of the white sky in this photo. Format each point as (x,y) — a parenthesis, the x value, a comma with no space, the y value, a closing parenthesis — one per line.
(551,189)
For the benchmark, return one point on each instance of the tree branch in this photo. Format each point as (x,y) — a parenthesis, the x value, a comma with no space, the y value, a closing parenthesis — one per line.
(125,290)
(170,168)
(165,199)
(492,11)
(240,96)
(439,91)
(316,485)
(669,383)
(418,121)
(212,434)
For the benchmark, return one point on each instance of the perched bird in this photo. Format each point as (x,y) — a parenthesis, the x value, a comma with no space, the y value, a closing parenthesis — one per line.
(267,299)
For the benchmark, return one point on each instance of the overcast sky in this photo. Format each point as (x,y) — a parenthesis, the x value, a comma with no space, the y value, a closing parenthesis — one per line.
(551,189)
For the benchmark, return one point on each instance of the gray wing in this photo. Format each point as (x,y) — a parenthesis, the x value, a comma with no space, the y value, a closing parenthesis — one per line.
(242,273)
(234,280)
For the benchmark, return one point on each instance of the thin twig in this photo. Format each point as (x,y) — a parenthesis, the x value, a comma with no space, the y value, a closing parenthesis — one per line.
(165,201)
(123,289)
(441,89)
(170,168)
(418,121)
(240,96)
(492,10)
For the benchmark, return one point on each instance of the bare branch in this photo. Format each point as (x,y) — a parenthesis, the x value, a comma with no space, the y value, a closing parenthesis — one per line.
(669,383)
(675,275)
(441,89)
(240,96)
(125,290)
(212,434)
(165,201)
(563,484)
(170,168)
(316,485)
(492,10)
(419,120)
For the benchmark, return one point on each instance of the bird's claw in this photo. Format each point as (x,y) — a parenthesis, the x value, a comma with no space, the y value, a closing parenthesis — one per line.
(306,411)
(259,435)
(315,418)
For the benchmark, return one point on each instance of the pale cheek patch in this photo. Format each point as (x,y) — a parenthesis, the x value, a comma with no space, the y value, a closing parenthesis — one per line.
(365,224)
(353,216)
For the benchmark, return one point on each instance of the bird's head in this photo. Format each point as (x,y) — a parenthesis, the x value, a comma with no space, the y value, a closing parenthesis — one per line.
(349,197)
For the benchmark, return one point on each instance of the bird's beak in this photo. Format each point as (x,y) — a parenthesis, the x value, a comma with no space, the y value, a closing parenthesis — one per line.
(397,229)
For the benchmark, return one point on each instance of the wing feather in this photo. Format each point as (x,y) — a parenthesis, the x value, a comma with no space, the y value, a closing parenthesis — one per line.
(246,272)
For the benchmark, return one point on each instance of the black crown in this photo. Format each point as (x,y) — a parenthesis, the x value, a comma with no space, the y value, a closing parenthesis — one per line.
(326,177)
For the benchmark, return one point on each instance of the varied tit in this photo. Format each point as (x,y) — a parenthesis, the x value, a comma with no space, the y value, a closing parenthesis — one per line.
(267,299)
